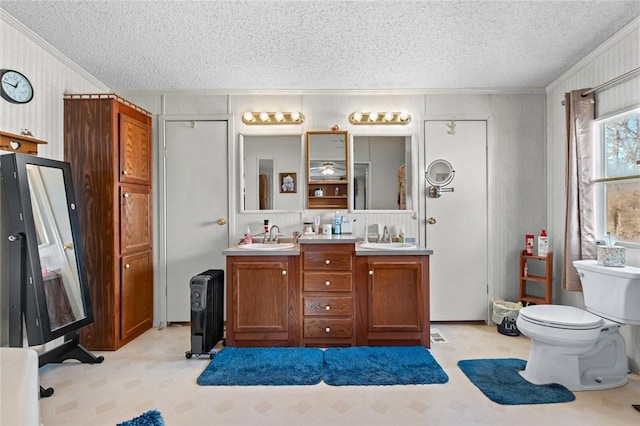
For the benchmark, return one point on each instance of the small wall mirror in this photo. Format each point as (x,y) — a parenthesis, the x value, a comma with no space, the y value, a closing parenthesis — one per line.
(383,169)
(328,175)
(439,174)
(270,172)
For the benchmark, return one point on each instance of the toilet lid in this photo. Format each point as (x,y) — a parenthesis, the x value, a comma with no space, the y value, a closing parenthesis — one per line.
(561,316)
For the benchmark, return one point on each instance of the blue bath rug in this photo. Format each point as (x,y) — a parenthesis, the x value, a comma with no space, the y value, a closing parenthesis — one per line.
(263,366)
(384,365)
(501,382)
(150,418)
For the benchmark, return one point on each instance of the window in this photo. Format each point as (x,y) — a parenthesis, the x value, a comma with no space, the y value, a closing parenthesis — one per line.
(618,176)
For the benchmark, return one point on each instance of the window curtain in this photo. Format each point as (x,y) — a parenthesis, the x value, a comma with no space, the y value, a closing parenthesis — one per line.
(579,237)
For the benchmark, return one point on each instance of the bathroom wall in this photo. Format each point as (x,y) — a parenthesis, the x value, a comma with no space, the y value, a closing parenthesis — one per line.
(51,76)
(617,56)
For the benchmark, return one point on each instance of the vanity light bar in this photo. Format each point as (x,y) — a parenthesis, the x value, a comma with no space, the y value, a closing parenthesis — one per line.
(368,118)
(262,118)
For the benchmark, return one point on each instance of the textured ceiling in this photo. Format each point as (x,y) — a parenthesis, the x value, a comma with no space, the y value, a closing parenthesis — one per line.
(306,45)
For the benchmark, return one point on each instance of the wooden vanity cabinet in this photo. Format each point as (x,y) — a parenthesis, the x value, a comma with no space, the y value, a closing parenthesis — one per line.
(393,300)
(262,301)
(327,294)
(107,141)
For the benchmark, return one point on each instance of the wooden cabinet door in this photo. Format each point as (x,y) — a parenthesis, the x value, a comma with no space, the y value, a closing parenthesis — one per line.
(260,296)
(135,150)
(135,218)
(136,288)
(395,296)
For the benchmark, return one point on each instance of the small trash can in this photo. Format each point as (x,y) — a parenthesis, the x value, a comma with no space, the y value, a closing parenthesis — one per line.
(505,315)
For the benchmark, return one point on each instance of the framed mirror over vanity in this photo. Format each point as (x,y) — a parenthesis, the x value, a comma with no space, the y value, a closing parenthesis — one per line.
(327,170)
(383,169)
(270,172)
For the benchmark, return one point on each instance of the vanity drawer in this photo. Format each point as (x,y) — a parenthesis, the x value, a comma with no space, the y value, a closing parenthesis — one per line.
(327,327)
(326,261)
(327,281)
(328,306)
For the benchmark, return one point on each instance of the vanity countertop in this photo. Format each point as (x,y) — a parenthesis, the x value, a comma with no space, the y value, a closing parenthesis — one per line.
(417,251)
(328,239)
(239,251)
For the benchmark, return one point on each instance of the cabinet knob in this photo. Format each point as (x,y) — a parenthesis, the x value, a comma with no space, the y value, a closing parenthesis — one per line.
(284,272)
(370,272)
(328,308)
(327,283)
(328,329)
(127,266)
(125,172)
(327,261)
(126,195)
(221,221)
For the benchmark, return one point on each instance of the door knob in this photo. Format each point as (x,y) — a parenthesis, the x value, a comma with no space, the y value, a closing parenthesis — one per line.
(221,221)
(67,246)
(431,220)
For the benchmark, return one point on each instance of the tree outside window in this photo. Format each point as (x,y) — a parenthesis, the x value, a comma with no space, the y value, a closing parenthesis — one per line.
(618,186)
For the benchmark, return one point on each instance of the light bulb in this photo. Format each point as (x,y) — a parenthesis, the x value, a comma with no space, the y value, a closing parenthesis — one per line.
(404,116)
(248,117)
(388,116)
(373,116)
(264,116)
(279,116)
(357,116)
(295,116)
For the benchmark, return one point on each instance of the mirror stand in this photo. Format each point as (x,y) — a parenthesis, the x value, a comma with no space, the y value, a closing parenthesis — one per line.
(70,349)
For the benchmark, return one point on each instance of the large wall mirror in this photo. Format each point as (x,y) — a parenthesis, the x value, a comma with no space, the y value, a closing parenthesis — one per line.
(270,173)
(327,170)
(45,242)
(384,170)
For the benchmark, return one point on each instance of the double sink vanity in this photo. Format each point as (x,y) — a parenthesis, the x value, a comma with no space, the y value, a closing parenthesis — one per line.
(327,291)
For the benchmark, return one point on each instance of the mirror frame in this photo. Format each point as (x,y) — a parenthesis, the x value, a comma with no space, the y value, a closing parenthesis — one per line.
(414,164)
(325,203)
(241,172)
(28,281)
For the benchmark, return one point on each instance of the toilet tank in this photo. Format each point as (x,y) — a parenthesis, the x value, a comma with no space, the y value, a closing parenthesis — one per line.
(611,292)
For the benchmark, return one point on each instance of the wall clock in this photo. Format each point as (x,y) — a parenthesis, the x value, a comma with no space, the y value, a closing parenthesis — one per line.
(15,87)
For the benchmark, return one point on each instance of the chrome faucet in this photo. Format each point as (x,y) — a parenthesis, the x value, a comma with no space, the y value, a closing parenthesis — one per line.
(270,238)
(386,238)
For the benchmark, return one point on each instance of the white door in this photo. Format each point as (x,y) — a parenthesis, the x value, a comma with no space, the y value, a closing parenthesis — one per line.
(456,227)
(196,206)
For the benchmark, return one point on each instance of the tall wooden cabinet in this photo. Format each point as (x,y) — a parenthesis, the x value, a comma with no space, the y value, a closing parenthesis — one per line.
(107,141)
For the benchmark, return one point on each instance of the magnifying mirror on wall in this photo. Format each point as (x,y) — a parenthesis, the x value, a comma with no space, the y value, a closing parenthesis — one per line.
(439,174)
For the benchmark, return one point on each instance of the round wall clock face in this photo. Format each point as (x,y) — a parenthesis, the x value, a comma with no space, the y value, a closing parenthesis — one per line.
(15,87)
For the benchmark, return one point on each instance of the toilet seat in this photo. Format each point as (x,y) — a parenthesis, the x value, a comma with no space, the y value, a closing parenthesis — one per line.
(560,316)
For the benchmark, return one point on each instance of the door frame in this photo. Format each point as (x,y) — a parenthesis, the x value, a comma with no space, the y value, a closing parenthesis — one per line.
(161,298)
(423,187)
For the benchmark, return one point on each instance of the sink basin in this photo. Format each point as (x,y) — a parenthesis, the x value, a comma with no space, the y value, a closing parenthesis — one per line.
(388,246)
(260,246)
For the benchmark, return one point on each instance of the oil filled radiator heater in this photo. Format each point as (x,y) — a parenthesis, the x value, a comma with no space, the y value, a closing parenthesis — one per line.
(207,315)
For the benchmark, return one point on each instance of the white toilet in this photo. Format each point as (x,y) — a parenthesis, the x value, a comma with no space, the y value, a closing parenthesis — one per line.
(578,349)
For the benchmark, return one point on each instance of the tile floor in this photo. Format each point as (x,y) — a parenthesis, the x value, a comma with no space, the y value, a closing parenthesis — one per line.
(153,372)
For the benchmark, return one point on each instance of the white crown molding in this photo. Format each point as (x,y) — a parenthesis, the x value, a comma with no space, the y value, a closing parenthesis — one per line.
(632,26)
(14,23)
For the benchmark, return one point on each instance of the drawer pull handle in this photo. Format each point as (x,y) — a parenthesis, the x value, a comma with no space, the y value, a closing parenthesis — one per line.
(328,329)
(370,272)
(127,266)
(328,308)
(327,283)
(327,261)
(284,272)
